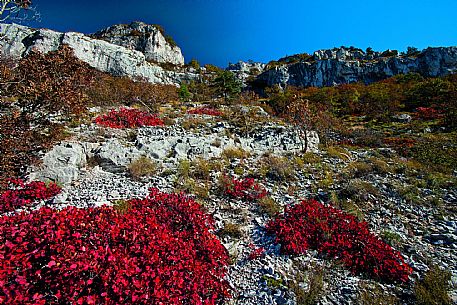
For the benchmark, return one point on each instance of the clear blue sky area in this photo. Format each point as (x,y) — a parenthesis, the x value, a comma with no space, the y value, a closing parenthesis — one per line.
(219,32)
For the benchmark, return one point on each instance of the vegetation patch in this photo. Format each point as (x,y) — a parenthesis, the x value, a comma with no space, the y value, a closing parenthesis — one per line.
(142,167)
(128,118)
(333,233)
(20,194)
(246,189)
(161,250)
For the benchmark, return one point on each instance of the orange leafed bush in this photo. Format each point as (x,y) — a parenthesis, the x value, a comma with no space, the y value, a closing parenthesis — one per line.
(33,91)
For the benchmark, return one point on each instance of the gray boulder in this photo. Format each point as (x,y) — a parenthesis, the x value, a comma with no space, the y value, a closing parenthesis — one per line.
(62,163)
(402,118)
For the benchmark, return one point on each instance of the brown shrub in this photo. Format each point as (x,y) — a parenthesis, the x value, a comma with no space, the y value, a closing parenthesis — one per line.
(142,167)
(433,288)
(109,90)
(33,91)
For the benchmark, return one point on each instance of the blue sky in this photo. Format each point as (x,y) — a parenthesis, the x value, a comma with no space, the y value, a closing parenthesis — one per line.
(219,32)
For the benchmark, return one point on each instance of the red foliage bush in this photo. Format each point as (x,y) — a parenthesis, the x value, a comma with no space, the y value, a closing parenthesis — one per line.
(205,110)
(428,113)
(246,189)
(160,251)
(128,118)
(256,252)
(400,142)
(20,194)
(311,225)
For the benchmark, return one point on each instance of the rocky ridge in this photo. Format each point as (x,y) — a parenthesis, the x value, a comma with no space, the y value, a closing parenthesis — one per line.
(246,71)
(350,65)
(17,41)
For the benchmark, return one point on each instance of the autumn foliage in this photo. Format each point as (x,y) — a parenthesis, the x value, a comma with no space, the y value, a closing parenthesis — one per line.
(205,111)
(246,189)
(430,98)
(338,235)
(21,194)
(36,93)
(159,251)
(107,90)
(128,118)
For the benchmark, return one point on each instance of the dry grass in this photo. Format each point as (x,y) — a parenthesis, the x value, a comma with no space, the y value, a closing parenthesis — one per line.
(142,167)
(235,153)
(269,205)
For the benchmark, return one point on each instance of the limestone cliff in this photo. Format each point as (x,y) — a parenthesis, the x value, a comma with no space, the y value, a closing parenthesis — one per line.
(17,41)
(148,39)
(350,65)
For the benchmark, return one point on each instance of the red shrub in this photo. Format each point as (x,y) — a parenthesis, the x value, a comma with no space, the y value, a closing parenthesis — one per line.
(311,225)
(205,110)
(128,118)
(428,113)
(20,194)
(256,252)
(400,142)
(246,189)
(160,251)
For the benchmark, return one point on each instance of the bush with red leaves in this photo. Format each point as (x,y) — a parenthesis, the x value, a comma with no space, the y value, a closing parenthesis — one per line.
(246,189)
(206,111)
(160,251)
(333,233)
(428,113)
(256,252)
(128,118)
(20,194)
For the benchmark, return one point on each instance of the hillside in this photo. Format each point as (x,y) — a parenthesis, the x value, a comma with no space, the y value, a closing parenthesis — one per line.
(179,187)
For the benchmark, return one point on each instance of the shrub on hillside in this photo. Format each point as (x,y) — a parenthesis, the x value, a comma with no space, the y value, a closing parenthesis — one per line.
(433,288)
(34,92)
(128,118)
(205,111)
(157,251)
(333,233)
(246,189)
(20,194)
(107,90)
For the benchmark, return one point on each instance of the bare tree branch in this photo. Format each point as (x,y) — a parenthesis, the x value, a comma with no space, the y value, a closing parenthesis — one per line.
(11,9)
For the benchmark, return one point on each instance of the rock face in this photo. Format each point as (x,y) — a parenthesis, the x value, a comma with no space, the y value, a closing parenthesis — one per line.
(148,39)
(168,144)
(246,71)
(343,66)
(17,41)
(62,163)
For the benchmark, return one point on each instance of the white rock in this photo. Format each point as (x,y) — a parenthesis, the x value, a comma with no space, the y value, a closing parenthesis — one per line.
(17,41)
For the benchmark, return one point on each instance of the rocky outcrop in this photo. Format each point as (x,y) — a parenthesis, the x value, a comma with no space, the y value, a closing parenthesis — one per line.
(246,71)
(343,66)
(63,163)
(66,161)
(148,39)
(17,41)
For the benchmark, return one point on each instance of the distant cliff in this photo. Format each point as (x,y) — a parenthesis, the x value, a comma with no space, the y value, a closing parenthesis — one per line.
(350,65)
(148,39)
(136,50)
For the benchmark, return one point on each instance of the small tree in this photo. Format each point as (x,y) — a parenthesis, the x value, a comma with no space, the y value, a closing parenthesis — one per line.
(412,51)
(183,93)
(194,64)
(38,90)
(227,85)
(298,113)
